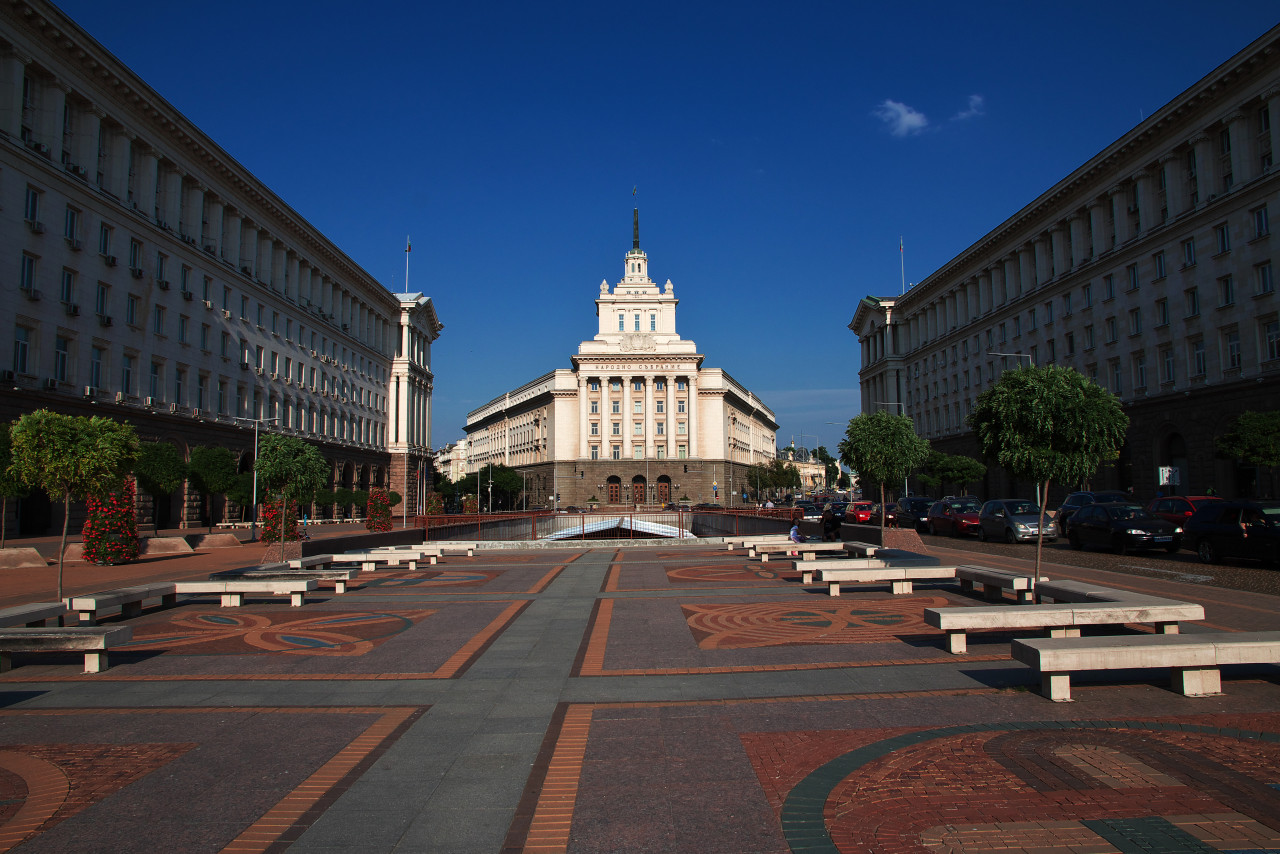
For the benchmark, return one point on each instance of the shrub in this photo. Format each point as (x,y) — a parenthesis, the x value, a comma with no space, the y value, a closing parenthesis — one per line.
(271,522)
(378,511)
(110,533)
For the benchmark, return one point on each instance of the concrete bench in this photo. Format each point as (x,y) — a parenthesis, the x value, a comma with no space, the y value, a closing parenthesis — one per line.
(733,543)
(233,592)
(995,581)
(1061,620)
(900,578)
(340,577)
(370,560)
(93,641)
(313,562)
(807,551)
(452,547)
(34,615)
(808,568)
(1195,659)
(128,599)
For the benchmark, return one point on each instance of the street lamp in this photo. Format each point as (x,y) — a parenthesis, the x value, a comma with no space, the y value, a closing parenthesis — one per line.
(253,511)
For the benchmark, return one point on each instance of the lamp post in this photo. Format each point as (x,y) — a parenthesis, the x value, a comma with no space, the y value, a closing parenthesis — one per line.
(490,487)
(253,511)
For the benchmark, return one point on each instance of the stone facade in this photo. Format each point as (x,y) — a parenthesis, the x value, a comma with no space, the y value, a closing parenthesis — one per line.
(154,280)
(637,420)
(1149,269)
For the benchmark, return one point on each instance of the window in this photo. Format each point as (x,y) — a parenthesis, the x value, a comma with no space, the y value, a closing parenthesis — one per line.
(1271,339)
(244,308)
(131,309)
(1004,335)
(1139,370)
(202,383)
(680,428)
(637,407)
(660,428)
(154,381)
(595,407)
(104,239)
(662,452)
(1162,312)
(1048,313)
(637,453)
(1222,234)
(1193,301)
(135,254)
(1199,362)
(97,356)
(1168,365)
(1117,378)
(638,385)
(616,429)
(637,428)
(615,407)
(71,225)
(637,323)
(653,323)
(183,323)
(31,206)
(1112,331)
(126,374)
(1261,224)
(1108,287)
(617,452)
(21,349)
(1263,283)
(157,318)
(1088,337)
(204,337)
(1135,321)
(1131,274)
(616,385)
(27,282)
(226,304)
(1226,292)
(1071,343)
(1231,349)
(594,385)
(1157,261)
(659,406)
(660,385)
(261,311)
(622,325)
(1086,293)
(1189,252)
(595,428)
(595,452)
(680,406)
(67,291)
(679,385)
(1017,326)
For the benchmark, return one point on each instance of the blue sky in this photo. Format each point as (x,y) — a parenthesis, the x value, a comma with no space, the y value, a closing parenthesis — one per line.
(780,151)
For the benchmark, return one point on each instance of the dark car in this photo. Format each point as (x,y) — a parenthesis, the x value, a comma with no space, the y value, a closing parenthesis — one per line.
(911,512)
(1241,529)
(1076,500)
(1013,520)
(954,516)
(1121,527)
(1178,508)
(890,518)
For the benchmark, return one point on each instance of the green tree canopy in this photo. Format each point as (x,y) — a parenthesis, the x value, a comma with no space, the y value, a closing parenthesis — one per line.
(1254,438)
(71,457)
(10,486)
(507,484)
(1048,423)
(291,467)
(212,471)
(882,448)
(160,467)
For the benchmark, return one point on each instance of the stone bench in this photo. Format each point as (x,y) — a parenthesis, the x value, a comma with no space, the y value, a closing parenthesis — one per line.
(900,578)
(313,562)
(806,550)
(733,543)
(232,592)
(454,548)
(283,572)
(1062,620)
(33,615)
(370,560)
(809,567)
(128,599)
(995,581)
(1195,659)
(93,641)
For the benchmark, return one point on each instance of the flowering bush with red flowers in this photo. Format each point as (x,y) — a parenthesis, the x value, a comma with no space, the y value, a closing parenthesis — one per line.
(110,534)
(378,510)
(435,504)
(471,504)
(271,522)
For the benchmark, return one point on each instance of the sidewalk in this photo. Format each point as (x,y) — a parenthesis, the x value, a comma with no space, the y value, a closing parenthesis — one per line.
(590,698)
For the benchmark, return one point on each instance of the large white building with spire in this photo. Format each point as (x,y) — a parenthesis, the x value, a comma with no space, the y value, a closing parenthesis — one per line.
(636,420)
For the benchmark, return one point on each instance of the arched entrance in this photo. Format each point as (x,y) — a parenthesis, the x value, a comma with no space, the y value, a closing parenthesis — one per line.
(664,489)
(613,487)
(639,490)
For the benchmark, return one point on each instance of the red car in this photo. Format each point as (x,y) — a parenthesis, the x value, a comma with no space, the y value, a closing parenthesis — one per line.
(859,512)
(954,516)
(1178,508)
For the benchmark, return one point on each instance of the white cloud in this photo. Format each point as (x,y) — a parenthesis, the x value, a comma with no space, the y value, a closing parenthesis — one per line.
(977,107)
(901,119)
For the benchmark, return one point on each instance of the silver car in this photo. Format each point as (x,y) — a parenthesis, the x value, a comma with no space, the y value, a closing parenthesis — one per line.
(1013,520)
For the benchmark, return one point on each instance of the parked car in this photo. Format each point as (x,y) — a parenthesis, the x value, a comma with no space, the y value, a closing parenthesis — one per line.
(1013,520)
(1076,500)
(1122,526)
(954,516)
(891,518)
(859,512)
(912,511)
(1239,529)
(1178,508)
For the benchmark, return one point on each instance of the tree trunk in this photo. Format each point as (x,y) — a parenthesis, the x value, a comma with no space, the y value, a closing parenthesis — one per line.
(284,526)
(882,515)
(1043,498)
(4,511)
(62,549)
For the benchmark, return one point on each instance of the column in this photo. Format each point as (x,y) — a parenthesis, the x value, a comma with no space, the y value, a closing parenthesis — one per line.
(170,196)
(1120,214)
(1206,168)
(1272,99)
(48,130)
(85,156)
(650,431)
(1242,169)
(1075,239)
(1040,251)
(262,251)
(1097,229)
(999,293)
(193,211)
(670,408)
(1058,246)
(147,182)
(232,225)
(13,68)
(627,416)
(694,420)
(278,256)
(1148,212)
(118,150)
(213,234)
(584,418)
(1175,196)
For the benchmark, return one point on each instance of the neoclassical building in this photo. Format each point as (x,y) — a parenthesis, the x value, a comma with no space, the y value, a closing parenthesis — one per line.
(1149,269)
(637,419)
(156,281)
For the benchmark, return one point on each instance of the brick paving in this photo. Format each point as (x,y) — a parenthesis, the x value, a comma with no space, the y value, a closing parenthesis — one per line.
(617,699)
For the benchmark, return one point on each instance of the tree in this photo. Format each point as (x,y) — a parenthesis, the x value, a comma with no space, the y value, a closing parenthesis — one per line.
(71,457)
(241,491)
(160,470)
(962,471)
(291,467)
(1254,438)
(882,448)
(10,486)
(212,472)
(1048,423)
(831,470)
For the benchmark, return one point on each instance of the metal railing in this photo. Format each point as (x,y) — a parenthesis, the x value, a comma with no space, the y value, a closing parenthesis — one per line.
(622,524)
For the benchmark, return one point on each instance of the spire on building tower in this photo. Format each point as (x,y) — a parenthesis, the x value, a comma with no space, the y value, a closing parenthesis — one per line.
(635,229)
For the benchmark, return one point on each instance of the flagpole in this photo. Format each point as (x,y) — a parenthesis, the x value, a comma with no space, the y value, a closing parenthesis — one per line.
(901,260)
(408,247)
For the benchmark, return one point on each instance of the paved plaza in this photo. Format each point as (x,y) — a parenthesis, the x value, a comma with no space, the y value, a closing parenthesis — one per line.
(611,698)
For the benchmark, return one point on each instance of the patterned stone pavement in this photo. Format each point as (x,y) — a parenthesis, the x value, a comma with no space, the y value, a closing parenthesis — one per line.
(668,698)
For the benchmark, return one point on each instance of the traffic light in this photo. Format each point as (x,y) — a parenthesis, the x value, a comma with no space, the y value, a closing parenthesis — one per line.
(686,469)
